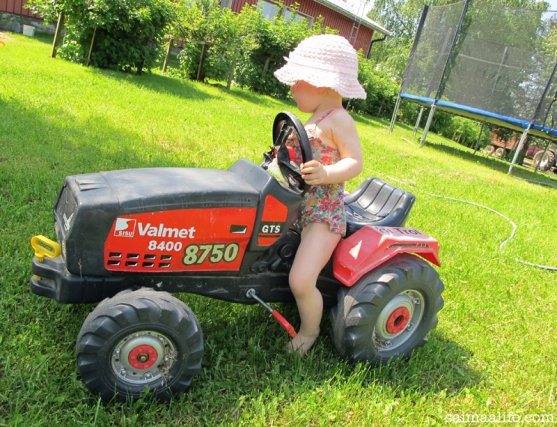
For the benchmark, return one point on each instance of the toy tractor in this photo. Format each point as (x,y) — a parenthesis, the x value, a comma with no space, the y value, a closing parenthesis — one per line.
(128,238)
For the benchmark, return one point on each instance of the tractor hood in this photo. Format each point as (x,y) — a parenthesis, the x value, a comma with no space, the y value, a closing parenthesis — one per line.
(141,190)
(89,206)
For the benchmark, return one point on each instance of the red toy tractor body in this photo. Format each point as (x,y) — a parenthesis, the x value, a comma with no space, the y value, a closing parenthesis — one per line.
(129,238)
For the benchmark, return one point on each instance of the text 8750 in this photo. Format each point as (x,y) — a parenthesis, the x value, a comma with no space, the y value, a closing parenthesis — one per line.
(214,253)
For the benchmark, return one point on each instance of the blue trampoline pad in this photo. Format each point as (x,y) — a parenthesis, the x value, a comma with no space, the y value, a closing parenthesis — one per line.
(513,123)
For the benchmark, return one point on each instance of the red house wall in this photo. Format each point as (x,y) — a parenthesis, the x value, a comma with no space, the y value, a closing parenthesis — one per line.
(331,19)
(311,8)
(16,7)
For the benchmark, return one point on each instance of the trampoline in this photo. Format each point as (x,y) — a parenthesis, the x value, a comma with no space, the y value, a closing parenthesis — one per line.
(487,63)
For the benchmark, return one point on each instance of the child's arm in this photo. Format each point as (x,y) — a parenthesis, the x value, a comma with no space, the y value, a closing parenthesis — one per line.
(342,132)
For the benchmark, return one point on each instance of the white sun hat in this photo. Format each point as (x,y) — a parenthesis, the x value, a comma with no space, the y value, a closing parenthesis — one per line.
(325,60)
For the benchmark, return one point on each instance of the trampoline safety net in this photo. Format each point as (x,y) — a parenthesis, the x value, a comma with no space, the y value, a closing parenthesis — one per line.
(492,62)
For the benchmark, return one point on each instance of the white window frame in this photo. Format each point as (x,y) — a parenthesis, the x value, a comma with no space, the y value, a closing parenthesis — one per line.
(267,7)
(271,10)
(298,16)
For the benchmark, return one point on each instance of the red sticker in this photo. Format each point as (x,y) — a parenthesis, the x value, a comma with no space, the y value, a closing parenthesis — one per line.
(180,240)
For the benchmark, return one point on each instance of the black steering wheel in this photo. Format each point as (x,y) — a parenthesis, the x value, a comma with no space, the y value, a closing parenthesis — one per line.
(291,148)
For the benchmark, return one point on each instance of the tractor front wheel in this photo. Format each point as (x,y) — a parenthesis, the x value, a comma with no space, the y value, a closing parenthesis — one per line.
(389,312)
(139,340)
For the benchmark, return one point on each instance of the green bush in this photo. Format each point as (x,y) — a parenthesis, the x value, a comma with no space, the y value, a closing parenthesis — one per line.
(197,25)
(275,39)
(246,45)
(459,129)
(125,34)
(218,35)
(381,90)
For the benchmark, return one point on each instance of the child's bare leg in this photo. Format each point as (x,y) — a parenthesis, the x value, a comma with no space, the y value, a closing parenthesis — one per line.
(316,247)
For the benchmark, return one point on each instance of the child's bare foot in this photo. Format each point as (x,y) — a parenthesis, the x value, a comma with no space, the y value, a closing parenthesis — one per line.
(301,343)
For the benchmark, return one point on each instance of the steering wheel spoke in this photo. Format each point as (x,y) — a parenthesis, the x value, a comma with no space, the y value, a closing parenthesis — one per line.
(293,172)
(290,140)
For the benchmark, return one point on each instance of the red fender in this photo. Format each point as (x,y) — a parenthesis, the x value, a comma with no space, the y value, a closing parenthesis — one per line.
(370,247)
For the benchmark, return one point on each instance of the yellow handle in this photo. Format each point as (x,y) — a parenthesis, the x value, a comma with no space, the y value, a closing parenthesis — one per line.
(43,246)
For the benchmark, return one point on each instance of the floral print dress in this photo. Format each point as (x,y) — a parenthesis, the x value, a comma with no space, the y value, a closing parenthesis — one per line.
(324,203)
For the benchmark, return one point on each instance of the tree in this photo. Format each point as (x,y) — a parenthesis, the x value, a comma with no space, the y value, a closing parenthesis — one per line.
(118,34)
(274,39)
(500,61)
(215,38)
(401,17)
(246,47)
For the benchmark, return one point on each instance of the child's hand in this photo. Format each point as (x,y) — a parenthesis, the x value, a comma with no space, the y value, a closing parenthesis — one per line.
(313,173)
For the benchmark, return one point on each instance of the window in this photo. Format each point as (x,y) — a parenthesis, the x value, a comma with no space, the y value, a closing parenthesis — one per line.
(297,16)
(268,9)
(271,10)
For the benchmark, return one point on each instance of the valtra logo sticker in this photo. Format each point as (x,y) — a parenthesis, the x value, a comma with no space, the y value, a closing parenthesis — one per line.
(125,227)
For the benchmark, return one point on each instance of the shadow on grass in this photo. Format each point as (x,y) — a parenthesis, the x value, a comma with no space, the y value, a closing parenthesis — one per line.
(490,162)
(149,81)
(252,97)
(42,151)
(187,89)
(374,122)
(246,365)
(44,37)
(167,85)
(252,339)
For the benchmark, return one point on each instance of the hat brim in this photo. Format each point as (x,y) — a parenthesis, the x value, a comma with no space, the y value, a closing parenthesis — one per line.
(347,87)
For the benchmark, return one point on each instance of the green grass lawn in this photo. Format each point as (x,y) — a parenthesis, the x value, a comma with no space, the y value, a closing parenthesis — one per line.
(493,353)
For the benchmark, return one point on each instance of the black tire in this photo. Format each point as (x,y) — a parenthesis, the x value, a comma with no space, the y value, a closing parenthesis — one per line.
(546,162)
(137,340)
(389,312)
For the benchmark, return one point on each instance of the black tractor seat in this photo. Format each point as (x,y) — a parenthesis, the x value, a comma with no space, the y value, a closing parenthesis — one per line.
(377,203)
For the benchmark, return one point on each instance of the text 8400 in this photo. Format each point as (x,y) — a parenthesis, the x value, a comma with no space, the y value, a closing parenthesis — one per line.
(165,246)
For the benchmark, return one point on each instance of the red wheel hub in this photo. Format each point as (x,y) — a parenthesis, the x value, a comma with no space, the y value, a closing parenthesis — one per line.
(398,320)
(143,357)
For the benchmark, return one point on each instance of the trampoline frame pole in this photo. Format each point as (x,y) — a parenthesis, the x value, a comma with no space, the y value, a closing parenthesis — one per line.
(395,112)
(442,81)
(519,148)
(538,108)
(410,60)
(428,124)
(479,138)
(418,121)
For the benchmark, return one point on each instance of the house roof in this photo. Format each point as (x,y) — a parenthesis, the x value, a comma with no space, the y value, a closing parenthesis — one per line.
(342,7)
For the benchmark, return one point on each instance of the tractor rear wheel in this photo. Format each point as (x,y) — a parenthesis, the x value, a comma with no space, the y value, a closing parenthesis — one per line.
(389,312)
(139,340)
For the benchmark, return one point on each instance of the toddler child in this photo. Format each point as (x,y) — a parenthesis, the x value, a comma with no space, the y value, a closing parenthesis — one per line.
(322,71)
